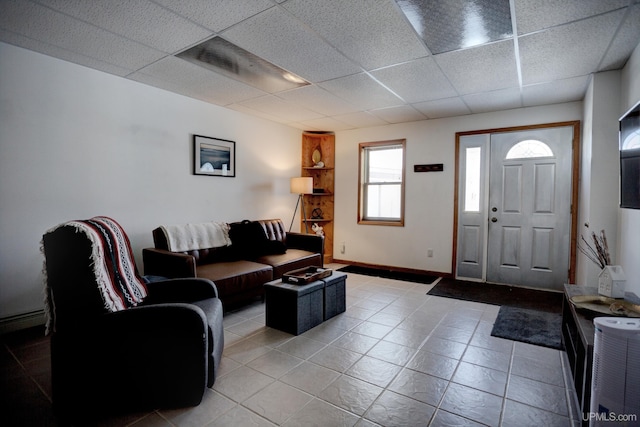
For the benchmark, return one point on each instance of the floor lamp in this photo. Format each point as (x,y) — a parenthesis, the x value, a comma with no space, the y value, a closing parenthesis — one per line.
(301,186)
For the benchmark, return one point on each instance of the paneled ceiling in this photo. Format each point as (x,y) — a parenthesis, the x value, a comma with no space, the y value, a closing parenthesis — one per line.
(367,62)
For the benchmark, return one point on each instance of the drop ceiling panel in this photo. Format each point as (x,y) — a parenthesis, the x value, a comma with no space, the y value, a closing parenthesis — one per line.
(325,123)
(504,99)
(360,119)
(317,99)
(416,81)
(141,21)
(362,91)
(626,38)
(568,51)
(219,14)
(372,32)
(277,107)
(63,54)
(443,108)
(480,69)
(41,23)
(279,38)
(399,114)
(555,92)
(534,15)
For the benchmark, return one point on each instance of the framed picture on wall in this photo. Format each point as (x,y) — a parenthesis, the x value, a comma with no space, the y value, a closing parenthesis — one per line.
(214,156)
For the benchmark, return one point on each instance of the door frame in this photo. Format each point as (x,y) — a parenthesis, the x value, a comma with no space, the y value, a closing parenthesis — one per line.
(575,175)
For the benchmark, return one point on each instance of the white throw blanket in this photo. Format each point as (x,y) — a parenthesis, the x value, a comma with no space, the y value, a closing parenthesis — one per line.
(188,237)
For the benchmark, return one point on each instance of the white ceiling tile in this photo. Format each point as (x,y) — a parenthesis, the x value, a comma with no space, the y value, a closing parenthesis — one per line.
(361,119)
(480,69)
(416,81)
(372,32)
(277,107)
(63,54)
(504,99)
(555,92)
(277,37)
(38,22)
(219,14)
(400,114)
(141,21)
(362,91)
(317,99)
(534,15)
(216,88)
(567,51)
(250,111)
(324,123)
(626,40)
(443,108)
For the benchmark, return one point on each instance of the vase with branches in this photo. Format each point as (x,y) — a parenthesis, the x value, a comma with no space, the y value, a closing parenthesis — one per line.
(597,251)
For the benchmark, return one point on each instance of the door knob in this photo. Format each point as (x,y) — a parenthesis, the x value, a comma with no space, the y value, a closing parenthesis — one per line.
(494,219)
(494,209)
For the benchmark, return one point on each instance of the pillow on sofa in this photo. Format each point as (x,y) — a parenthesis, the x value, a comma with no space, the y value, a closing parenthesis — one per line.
(249,240)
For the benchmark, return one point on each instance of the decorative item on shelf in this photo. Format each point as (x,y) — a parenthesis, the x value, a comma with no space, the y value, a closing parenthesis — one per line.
(300,186)
(318,229)
(317,214)
(316,158)
(611,280)
(318,191)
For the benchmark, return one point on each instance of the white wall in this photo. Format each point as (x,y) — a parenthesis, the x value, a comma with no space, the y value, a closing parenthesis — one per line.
(629,219)
(75,143)
(599,169)
(429,196)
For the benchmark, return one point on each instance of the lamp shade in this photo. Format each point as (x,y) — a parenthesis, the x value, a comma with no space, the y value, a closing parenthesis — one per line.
(302,185)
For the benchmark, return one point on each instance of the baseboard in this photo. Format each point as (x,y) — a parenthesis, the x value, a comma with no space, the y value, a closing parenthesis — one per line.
(21,321)
(392,268)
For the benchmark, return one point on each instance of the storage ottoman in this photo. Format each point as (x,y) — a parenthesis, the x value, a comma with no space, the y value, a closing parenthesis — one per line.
(294,308)
(334,294)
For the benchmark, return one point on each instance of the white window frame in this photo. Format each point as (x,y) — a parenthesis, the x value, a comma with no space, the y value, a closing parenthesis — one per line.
(364,149)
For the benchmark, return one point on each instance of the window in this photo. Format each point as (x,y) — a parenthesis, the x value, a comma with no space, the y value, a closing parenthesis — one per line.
(528,149)
(472,179)
(381,186)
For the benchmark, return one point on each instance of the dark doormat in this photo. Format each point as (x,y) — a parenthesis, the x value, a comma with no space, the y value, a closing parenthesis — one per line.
(389,274)
(499,295)
(529,326)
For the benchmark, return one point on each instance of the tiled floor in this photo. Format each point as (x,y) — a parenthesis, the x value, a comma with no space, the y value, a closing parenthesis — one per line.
(396,357)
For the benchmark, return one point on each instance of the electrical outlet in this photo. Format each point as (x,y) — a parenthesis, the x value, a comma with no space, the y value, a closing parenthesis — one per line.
(430,253)
(343,248)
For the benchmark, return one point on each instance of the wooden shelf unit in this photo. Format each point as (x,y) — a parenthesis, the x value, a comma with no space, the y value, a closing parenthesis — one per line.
(323,178)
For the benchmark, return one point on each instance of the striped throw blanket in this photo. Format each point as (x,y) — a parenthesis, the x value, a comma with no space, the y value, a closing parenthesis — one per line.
(113,264)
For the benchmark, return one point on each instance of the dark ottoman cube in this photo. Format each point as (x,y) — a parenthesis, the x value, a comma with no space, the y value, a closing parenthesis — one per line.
(294,308)
(334,294)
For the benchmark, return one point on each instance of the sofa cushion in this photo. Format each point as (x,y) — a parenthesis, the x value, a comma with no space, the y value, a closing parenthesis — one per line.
(232,277)
(293,259)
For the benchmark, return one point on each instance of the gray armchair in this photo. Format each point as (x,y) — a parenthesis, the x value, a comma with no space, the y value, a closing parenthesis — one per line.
(118,343)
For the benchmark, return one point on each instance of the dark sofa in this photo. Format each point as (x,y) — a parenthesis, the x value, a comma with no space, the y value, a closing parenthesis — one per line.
(240,270)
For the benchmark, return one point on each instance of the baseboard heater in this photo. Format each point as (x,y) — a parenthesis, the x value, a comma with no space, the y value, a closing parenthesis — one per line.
(21,321)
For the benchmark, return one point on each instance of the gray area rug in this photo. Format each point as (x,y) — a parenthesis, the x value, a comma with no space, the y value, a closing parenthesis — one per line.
(529,326)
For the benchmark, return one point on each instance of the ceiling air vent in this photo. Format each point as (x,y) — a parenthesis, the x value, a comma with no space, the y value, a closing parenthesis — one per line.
(223,57)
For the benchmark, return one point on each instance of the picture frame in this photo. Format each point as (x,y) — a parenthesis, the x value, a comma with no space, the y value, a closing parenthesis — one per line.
(214,156)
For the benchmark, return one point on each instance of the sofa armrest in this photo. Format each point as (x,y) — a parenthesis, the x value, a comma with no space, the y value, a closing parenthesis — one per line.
(306,242)
(160,262)
(184,290)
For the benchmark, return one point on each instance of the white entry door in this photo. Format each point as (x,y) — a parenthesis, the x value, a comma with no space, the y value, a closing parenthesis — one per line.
(514,207)
(529,216)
